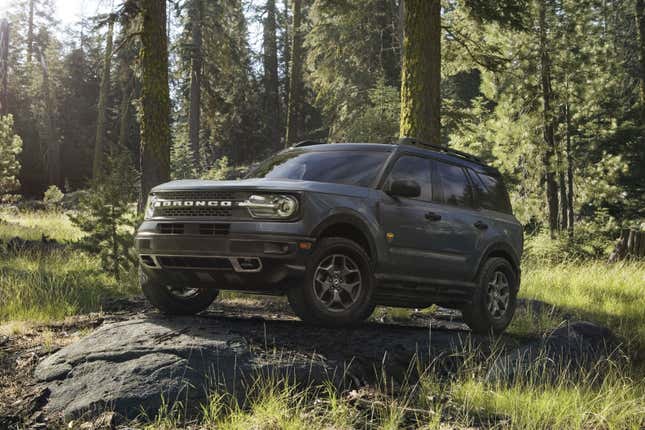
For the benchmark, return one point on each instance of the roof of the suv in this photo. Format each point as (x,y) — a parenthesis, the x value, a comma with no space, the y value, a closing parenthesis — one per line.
(447,155)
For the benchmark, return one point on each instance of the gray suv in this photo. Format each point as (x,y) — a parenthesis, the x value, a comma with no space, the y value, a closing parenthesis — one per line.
(339,229)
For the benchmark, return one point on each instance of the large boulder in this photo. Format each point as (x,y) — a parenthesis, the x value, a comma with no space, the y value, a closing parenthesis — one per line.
(574,349)
(131,367)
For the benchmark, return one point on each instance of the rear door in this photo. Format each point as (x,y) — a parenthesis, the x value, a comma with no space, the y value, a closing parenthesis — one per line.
(457,237)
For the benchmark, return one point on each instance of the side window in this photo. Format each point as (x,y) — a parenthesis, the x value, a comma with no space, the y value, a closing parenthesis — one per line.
(492,193)
(455,187)
(412,168)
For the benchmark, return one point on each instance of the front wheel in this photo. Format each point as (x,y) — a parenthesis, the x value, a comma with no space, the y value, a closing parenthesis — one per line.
(338,285)
(495,298)
(176,300)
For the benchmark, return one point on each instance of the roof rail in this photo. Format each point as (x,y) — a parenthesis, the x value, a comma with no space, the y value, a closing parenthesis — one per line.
(415,141)
(306,143)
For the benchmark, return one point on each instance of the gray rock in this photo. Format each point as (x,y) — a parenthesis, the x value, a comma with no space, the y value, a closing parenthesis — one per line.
(130,367)
(574,349)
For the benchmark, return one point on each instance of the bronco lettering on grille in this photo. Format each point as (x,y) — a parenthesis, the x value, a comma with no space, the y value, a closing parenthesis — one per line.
(197,203)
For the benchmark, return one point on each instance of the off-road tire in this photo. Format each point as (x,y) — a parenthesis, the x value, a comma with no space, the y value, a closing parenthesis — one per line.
(160,297)
(477,314)
(302,297)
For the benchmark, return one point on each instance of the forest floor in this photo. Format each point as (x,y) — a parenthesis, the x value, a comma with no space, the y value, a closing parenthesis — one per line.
(52,294)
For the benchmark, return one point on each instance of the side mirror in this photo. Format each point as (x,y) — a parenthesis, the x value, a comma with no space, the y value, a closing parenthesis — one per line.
(405,188)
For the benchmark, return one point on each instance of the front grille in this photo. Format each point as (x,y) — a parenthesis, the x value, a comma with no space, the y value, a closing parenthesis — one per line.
(214,229)
(172,262)
(170,228)
(178,211)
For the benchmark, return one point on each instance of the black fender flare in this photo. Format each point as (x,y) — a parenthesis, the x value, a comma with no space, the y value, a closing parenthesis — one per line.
(504,248)
(354,219)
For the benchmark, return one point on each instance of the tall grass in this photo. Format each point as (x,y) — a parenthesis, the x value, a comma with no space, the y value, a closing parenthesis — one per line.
(31,225)
(52,285)
(609,294)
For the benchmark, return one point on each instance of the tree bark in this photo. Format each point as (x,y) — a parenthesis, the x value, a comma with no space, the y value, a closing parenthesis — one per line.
(30,32)
(4,66)
(155,98)
(286,52)
(421,71)
(194,120)
(569,172)
(271,84)
(99,142)
(549,134)
(640,25)
(294,107)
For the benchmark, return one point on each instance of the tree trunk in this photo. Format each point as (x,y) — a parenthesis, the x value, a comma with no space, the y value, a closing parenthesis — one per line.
(549,135)
(4,66)
(30,32)
(421,72)
(564,210)
(194,120)
(124,107)
(569,172)
(271,84)
(99,143)
(155,98)
(286,52)
(52,155)
(294,107)
(640,25)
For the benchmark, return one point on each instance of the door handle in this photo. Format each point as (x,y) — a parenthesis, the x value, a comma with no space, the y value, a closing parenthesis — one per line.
(481,225)
(431,216)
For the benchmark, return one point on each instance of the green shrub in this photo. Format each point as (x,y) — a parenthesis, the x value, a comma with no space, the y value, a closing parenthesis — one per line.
(107,217)
(53,197)
(10,149)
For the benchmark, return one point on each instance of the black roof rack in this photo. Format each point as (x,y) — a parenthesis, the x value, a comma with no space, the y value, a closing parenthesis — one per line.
(415,141)
(306,143)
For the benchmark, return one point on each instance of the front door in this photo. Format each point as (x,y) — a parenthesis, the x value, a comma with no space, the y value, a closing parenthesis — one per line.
(409,223)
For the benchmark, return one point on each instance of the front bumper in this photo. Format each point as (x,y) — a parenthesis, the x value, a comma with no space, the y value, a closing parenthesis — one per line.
(249,256)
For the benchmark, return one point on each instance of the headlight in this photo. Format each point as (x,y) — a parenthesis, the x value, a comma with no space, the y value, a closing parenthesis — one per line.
(150,207)
(271,206)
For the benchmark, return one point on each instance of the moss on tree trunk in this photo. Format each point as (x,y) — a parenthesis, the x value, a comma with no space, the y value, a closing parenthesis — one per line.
(421,71)
(155,99)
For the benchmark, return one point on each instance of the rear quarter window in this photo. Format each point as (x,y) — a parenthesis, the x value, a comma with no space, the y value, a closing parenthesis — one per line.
(491,193)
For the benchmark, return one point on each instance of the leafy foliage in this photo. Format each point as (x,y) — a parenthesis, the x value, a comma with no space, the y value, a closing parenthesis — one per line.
(53,196)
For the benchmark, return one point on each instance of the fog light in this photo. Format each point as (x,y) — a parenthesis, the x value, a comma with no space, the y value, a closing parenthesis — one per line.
(276,248)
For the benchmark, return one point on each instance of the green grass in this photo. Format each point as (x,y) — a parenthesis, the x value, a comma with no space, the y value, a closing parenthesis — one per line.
(50,285)
(31,225)
(612,295)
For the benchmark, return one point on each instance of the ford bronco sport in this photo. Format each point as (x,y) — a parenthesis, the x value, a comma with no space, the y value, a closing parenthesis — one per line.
(339,229)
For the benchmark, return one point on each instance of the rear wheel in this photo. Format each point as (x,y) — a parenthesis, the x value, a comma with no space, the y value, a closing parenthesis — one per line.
(338,285)
(495,298)
(176,300)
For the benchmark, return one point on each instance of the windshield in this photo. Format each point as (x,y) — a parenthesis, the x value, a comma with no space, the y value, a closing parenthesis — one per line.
(341,167)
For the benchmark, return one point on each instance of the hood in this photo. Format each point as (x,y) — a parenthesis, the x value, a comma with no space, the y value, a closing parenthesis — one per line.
(262,184)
